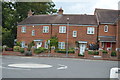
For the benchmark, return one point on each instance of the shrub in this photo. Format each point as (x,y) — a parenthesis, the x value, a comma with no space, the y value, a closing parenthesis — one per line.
(39,50)
(64,51)
(113,53)
(96,53)
(93,52)
(21,50)
(90,52)
(80,55)
(30,45)
(28,53)
(105,52)
(16,48)
(18,43)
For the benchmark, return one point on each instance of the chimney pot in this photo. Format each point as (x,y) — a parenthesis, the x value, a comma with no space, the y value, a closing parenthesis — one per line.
(60,12)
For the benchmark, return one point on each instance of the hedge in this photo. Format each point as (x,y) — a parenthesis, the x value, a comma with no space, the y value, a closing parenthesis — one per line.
(64,51)
(93,52)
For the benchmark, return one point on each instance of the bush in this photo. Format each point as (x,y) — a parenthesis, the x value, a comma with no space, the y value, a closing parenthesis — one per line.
(113,53)
(28,53)
(105,52)
(93,52)
(90,52)
(39,50)
(96,53)
(21,50)
(18,43)
(16,48)
(64,51)
(80,55)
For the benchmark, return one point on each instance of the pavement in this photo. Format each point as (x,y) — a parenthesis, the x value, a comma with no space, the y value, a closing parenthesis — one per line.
(61,67)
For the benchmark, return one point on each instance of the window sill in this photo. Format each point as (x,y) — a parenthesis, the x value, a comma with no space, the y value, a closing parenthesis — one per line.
(23,32)
(90,34)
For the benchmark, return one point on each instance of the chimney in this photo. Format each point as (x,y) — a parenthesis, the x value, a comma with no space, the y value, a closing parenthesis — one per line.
(30,13)
(60,12)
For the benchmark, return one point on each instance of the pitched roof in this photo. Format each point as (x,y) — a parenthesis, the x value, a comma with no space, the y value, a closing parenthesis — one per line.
(106,15)
(60,19)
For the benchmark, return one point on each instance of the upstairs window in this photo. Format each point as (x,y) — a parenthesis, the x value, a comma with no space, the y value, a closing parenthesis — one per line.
(33,32)
(90,30)
(45,29)
(74,33)
(106,28)
(23,29)
(62,29)
(61,45)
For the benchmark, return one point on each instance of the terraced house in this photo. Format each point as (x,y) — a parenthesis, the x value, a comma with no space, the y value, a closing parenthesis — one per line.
(98,31)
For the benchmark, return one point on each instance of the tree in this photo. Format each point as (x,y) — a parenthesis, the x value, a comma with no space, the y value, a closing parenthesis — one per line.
(54,42)
(15,12)
(7,37)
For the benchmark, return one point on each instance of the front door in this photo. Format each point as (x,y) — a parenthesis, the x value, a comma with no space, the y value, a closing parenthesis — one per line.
(82,48)
(39,44)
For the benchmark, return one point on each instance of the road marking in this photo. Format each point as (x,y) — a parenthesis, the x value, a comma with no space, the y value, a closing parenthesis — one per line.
(62,67)
(30,65)
(14,68)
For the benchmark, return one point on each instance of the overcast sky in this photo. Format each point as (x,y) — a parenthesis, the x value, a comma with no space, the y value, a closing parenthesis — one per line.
(84,6)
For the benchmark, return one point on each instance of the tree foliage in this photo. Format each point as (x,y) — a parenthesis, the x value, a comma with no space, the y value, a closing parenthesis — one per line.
(15,12)
(54,42)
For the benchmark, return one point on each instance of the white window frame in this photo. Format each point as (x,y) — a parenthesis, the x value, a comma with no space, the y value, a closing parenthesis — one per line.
(62,29)
(23,44)
(74,33)
(106,28)
(45,29)
(33,32)
(61,45)
(90,30)
(103,44)
(23,29)
(46,45)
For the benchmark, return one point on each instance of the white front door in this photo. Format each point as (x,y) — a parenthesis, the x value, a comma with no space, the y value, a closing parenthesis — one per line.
(39,44)
(82,48)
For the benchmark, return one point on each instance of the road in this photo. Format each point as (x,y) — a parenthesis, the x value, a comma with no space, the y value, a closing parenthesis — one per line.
(61,67)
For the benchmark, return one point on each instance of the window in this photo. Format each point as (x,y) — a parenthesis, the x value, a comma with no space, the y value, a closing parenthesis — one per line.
(33,32)
(90,30)
(45,29)
(23,44)
(106,28)
(61,45)
(62,29)
(103,44)
(46,45)
(74,33)
(23,30)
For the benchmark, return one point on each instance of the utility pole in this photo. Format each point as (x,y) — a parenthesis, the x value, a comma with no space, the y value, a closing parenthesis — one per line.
(67,37)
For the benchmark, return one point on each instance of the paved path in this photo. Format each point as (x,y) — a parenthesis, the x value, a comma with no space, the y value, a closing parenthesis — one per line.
(61,68)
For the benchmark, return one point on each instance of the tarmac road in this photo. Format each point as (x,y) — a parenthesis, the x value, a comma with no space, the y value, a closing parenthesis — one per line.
(61,67)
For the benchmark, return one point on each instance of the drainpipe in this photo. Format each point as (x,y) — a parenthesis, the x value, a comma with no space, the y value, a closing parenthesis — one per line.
(51,31)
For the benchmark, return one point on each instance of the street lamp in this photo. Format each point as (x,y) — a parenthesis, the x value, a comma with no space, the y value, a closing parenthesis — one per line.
(67,37)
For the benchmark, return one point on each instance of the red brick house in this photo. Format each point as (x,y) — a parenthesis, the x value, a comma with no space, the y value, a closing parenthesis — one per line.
(107,28)
(83,31)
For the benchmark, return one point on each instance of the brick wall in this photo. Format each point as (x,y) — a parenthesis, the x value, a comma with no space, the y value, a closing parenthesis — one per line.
(54,31)
(111,30)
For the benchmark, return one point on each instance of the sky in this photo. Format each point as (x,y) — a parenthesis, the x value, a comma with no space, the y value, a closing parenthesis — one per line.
(84,6)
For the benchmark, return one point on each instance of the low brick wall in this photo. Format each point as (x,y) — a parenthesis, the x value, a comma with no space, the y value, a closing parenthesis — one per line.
(10,53)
